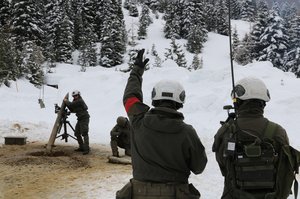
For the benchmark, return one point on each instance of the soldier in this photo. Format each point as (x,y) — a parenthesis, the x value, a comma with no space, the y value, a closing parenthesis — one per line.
(164,148)
(79,107)
(247,146)
(120,136)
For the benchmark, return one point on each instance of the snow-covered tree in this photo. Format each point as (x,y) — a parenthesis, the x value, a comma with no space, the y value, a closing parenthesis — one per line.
(114,37)
(274,40)
(293,55)
(248,12)
(35,73)
(197,63)
(242,53)
(222,18)
(144,21)
(235,42)
(255,46)
(5,13)
(195,39)
(26,23)
(88,50)
(176,53)
(8,66)
(173,18)
(64,40)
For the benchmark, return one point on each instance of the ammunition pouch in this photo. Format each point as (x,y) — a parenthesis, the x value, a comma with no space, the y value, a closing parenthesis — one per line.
(149,190)
(255,168)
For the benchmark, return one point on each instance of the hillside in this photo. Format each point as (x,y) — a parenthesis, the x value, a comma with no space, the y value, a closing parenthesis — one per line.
(69,175)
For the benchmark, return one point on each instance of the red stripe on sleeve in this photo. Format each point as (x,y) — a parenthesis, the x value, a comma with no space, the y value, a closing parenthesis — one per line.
(130,102)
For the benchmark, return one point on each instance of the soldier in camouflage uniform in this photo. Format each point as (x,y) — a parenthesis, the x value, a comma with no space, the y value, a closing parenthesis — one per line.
(251,95)
(164,148)
(79,107)
(120,136)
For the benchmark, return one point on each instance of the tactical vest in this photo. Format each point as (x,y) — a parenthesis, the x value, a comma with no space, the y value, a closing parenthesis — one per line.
(255,159)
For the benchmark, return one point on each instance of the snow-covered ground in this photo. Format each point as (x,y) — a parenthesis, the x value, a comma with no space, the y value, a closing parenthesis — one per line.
(207,89)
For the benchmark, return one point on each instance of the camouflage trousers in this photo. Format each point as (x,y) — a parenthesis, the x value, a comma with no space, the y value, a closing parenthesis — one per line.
(146,190)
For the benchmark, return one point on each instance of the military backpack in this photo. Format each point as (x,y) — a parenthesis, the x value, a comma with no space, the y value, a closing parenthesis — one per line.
(259,165)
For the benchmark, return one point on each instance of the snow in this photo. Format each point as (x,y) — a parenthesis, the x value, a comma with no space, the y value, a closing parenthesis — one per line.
(207,89)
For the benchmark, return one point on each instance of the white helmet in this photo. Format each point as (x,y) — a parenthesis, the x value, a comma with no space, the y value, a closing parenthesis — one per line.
(75,92)
(168,90)
(251,88)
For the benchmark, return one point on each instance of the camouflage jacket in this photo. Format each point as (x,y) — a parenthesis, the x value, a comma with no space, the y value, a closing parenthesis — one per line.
(164,148)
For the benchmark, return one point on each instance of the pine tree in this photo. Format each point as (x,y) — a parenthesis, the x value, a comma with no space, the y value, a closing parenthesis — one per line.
(132,55)
(195,40)
(293,55)
(211,17)
(172,28)
(222,18)
(157,62)
(132,36)
(35,73)
(144,21)
(114,37)
(275,41)
(133,11)
(176,53)
(242,53)
(5,13)
(26,23)
(255,45)
(235,7)
(196,63)
(235,42)
(88,50)
(53,15)
(193,18)
(153,50)
(79,33)
(248,10)
(112,46)
(8,65)
(64,40)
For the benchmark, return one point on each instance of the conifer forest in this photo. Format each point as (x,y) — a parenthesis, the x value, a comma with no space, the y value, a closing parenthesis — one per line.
(35,35)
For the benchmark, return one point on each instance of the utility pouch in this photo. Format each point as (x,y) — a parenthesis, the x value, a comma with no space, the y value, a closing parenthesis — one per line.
(125,192)
(252,150)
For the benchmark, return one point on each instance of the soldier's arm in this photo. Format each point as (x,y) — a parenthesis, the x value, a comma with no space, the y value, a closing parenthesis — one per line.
(197,155)
(218,148)
(133,96)
(115,131)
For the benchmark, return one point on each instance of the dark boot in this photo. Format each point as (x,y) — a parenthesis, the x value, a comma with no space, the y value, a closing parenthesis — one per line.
(79,149)
(80,142)
(86,145)
(114,148)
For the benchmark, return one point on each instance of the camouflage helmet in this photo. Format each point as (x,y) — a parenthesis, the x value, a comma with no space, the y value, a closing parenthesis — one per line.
(251,88)
(121,121)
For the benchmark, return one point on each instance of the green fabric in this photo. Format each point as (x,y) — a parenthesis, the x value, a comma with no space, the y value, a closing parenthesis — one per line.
(164,147)
(250,118)
(79,107)
(289,160)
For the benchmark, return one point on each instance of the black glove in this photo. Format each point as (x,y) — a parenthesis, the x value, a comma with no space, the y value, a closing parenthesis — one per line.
(139,60)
